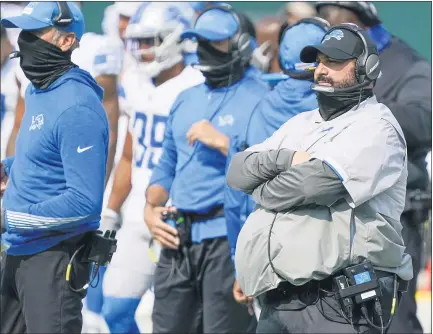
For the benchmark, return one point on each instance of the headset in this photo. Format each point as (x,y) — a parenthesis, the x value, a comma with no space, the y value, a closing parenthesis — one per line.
(367,67)
(64,18)
(240,43)
(317,21)
(367,64)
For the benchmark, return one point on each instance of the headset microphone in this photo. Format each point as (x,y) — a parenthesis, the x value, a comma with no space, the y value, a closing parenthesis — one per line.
(14,54)
(208,68)
(327,89)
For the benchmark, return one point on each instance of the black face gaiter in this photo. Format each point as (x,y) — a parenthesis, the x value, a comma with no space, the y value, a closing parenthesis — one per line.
(42,62)
(332,105)
(223,69)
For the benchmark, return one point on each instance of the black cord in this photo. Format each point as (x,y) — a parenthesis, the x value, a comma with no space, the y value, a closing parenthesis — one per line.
(274,271)
(185,252)
(359,100)
(95,273)
(335,310)
(269,246)
(381,324)
(348,317)
(175,267)
(364,312)
(378,309)
(394,302)
(351,324)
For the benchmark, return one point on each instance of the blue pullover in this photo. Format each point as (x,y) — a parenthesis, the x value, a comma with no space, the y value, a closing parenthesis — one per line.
(56,177)
(195,176)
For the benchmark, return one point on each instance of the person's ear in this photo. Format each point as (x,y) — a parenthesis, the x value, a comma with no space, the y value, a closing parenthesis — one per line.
(66,42)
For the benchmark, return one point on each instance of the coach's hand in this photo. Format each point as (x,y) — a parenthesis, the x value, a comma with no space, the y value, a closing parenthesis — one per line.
(241,298)
(4,179)
(161,231)
(204,132)
(300,158)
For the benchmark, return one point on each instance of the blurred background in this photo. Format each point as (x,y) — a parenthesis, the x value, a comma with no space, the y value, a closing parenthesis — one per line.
(409,20)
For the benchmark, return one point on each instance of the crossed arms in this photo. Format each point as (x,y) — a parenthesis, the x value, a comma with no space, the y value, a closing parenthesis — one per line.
(282,179)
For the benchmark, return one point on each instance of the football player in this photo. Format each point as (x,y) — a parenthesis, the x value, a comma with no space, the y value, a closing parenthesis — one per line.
(151,87)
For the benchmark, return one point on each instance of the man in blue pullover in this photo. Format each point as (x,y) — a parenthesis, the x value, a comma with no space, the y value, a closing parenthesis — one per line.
(288,98)
(56,178)
(194,279)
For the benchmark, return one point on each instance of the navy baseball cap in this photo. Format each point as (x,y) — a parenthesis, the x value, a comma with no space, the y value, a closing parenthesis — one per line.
(213,25)
(39,15)
(339,44)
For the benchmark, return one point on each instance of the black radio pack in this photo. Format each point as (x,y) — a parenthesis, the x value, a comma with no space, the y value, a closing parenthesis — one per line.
(358,283)
(100,248)
(97,249)
(181,223)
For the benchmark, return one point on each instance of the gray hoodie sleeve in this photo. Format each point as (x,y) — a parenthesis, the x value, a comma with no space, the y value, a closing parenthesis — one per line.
(248,170)
(312,182)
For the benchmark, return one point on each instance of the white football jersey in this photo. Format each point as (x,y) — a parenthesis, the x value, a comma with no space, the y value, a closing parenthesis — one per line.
(99,55)
(151,107)
(9,97)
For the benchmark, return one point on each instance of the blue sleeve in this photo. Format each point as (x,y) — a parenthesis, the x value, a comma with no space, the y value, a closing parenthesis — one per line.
(83,145)
(286,100)
(263,122)
(7,163)
(164,172)
(233,200)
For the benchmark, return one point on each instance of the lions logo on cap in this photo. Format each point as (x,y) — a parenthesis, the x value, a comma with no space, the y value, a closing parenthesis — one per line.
(337,34)
(29,8)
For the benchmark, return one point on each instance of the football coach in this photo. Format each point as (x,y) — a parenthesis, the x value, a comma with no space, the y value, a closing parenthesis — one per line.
(55,180)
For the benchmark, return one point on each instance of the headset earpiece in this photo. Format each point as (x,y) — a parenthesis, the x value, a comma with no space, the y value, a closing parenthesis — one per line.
(372,67)
(243,45)
(64,18)
(367,64)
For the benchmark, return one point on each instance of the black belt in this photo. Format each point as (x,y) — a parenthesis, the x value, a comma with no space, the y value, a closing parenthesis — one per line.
(215,212)
(286,288)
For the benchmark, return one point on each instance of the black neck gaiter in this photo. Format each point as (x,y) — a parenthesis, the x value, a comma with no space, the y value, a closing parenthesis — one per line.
(219,68)
(332,105)
(42,62)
